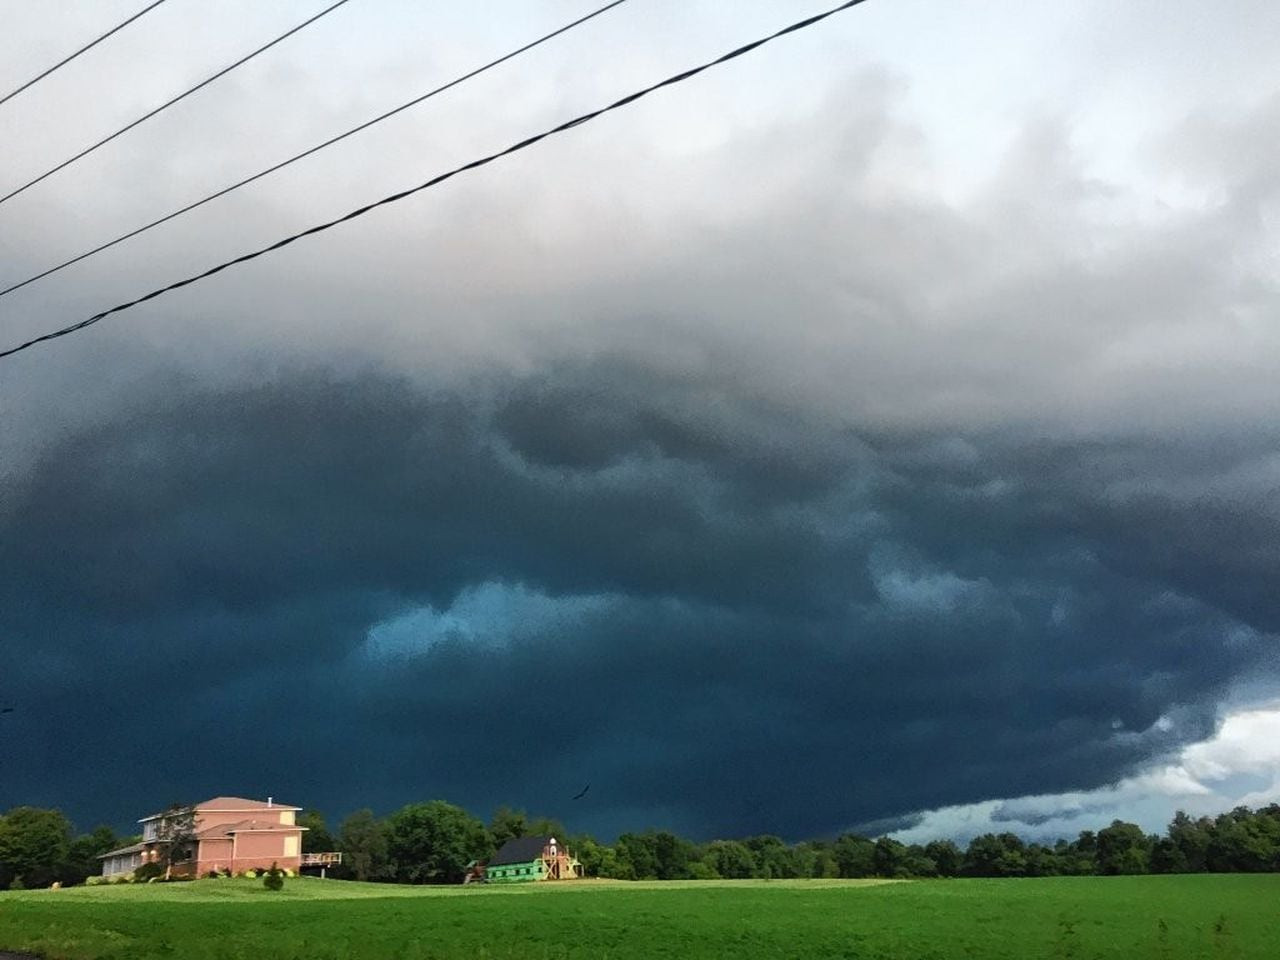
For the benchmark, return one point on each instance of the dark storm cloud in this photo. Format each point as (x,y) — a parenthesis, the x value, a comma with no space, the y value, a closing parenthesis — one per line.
(727,616)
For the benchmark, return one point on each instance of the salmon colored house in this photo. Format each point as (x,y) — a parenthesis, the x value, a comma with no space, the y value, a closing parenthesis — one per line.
(231,833)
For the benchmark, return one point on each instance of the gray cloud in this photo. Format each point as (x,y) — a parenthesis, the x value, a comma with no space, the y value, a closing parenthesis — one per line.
(787,434)
(700,611)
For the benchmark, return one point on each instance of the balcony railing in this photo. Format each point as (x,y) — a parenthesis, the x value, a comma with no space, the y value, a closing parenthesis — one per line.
(331,859)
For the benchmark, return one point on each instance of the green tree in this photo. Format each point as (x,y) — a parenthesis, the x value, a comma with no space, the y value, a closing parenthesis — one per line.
(1167,857)
(1192,838)
(1123,848)
(773,858)
(995,855)
(82,856)
(855,856)
(636,857)
(175,836)
(890,858)
(34,844)
(433,842)
(546,827)
(507,824)
(731,859)
(363,839)
(590,853)
(316,838)
(1245,842)
(946,857)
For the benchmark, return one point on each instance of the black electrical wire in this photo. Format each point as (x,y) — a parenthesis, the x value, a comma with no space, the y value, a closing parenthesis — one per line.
(440,178)
(88,46)
(308,152)
(169,103)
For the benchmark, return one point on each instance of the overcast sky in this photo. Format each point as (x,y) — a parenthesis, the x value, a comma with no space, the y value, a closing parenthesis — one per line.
(880,431)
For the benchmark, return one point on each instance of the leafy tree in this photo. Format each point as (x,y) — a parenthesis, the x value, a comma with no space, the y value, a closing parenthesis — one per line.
(1192,838)
(1245,842)
(701,870)
(637,856)
(854,855)
(1167,857)
(730,859)
(946,857)
(1123,848)
(316,838)
(363,839)
(508,824)
(774,859)
(889,857)
(995,855)
(672,855)
(546,827)
(1042,861)
(82,856)
(433,842)
(916,863)
(175,836)
(590,853)
(824,862)
(34,844)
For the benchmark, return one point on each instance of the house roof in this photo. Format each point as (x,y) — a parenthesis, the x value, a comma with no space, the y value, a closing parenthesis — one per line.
(225,804)
(520,850)
(246,826)
(240,803)
(132,848)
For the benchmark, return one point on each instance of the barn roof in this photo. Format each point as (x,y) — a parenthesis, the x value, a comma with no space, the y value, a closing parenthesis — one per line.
(520,850)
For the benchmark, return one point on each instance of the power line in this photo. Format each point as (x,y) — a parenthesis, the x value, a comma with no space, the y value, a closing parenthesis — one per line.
(308,152)
(440,178)
(169,103)
(88,46)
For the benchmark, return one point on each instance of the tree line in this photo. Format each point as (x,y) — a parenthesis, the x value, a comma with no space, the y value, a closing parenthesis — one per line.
(434,843)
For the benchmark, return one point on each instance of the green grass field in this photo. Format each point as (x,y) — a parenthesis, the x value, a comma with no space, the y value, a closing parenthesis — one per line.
(1166,918)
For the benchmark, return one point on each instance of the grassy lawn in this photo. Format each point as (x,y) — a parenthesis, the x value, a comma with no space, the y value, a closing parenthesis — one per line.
(1165,918)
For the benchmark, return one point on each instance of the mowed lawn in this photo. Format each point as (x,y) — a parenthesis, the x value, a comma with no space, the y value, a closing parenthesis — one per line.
(1123,917)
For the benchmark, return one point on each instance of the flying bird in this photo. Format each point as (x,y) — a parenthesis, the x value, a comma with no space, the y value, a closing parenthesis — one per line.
(10,710)
(583,793)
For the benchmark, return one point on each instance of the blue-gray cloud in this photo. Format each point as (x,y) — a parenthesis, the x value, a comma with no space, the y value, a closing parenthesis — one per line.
(351,590)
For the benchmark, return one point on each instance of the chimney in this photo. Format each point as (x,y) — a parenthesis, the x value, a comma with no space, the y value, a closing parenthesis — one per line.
(268,801)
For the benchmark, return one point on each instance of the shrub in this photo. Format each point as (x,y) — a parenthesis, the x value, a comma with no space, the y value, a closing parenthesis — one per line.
(249,874)
(96,881)
(148,871)
(273,879)
(212,875)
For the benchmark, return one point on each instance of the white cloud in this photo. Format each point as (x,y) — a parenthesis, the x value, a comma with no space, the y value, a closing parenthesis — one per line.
(1238,765)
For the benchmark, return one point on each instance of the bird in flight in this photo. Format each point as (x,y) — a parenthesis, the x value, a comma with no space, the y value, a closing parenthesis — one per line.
(583,792)
(10,710)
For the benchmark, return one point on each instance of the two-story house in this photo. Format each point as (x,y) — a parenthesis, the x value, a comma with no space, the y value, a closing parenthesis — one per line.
(229,833)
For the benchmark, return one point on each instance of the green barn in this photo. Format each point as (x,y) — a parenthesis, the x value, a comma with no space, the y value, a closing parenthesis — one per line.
(526,859)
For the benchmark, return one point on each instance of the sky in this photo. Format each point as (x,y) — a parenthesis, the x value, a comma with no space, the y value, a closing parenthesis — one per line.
(878,432)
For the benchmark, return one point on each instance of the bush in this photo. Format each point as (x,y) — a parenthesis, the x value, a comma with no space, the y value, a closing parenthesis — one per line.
(148,871)
(249,874)
(212,875)
(96,881)
(273,879)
